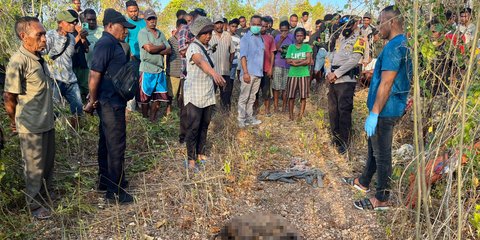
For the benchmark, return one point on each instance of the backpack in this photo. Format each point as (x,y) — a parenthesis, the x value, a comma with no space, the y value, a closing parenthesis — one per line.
(125,81)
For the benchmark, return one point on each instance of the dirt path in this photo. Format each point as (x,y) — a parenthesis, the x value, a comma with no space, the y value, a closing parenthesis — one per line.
(175,205)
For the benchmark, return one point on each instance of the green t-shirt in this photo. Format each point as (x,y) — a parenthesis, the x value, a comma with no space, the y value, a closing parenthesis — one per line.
(294,53)
(151,63)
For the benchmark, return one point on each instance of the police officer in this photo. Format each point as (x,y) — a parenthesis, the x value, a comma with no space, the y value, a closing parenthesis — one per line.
(340,67)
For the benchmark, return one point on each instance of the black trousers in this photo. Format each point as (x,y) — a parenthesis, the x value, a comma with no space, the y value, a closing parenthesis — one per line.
(340,106)
(197,120)
(380,158)
(265,87)
(226,93)
(182,113)
(111,147)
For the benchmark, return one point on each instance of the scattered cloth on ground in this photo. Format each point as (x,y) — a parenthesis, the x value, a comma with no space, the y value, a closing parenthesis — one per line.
(403,154)
(436,169)
(299,169)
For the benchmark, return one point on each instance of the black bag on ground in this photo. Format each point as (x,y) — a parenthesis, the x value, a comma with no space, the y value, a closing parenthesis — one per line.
(125,81)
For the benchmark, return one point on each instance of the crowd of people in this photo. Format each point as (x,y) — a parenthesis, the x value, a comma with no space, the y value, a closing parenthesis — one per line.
(204,56)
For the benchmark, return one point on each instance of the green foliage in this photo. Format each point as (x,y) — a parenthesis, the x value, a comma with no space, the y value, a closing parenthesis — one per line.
(8,39)
(316,11)
(235,9)
(475,220)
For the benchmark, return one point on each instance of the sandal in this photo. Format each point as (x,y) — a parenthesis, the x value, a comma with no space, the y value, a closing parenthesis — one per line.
(351,182)
(194,169)
(41,213)
(366,204)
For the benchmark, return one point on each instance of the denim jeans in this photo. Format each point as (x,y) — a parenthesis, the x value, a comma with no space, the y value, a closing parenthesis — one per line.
(71,92)
(111,147)
(380,157)
(233,72)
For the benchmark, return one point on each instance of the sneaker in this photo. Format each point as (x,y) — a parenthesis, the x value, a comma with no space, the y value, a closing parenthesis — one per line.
(254,121)
(122,198)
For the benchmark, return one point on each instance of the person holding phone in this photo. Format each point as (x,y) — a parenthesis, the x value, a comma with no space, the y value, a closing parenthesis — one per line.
(80,66)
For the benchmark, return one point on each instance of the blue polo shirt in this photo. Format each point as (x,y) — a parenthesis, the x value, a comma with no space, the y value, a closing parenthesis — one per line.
(132,37)
(395,56)
(252,47)
(108,55)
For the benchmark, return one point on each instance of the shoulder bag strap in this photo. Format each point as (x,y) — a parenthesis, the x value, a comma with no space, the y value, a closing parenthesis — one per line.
(64,48)
(206,54)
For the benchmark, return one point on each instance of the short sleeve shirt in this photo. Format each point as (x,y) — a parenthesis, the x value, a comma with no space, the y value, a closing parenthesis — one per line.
(279,61)
(198,86)
(61,69)
(132,37)
(93,37)
(269,51)
(109,56)
(151,63)
(27,76)
(394,57)
(252,48)
(221,57)
(298,54)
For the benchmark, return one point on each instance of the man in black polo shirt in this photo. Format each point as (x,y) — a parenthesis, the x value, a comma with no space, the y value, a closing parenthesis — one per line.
(110,57)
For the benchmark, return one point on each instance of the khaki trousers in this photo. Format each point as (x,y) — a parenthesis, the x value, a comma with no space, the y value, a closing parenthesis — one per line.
(247,97)
(38,154)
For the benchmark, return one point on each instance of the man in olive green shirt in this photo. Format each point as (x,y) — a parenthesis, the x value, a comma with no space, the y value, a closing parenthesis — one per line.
(29,105)
(153,47)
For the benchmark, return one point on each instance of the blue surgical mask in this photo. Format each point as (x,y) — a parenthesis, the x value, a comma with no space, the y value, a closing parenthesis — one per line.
(255,29)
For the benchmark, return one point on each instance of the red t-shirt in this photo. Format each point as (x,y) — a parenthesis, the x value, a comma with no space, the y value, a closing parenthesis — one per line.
(269,51)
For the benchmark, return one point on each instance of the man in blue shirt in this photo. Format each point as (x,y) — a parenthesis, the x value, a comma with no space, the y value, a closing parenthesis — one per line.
(387,99)
(108,58)
(251,57)
(132,37)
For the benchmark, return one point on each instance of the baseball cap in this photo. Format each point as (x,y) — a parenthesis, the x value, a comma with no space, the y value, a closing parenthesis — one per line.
(367,15)
(66,16)
(217,19)
(113,16)
(149,13)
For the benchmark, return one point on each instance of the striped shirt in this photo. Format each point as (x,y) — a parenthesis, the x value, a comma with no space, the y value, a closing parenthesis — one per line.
(198,87)
(221,57)
(174,61)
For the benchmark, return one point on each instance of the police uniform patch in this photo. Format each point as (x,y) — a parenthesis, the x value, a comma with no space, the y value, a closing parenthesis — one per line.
(359,46)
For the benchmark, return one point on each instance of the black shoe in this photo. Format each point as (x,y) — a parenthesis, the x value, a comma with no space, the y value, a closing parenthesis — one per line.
(122,198)
(101,188)
(341,149)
